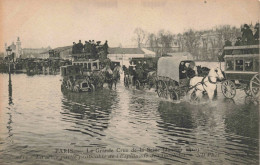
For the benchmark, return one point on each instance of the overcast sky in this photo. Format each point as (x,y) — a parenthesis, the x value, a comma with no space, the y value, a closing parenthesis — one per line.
(40,23)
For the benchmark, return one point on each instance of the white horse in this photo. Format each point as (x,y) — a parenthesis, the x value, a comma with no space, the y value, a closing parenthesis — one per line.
(205,84)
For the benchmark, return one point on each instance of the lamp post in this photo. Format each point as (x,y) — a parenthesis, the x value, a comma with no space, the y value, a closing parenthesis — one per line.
(9,54)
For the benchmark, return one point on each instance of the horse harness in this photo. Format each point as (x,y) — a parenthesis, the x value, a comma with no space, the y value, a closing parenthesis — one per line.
(203,83)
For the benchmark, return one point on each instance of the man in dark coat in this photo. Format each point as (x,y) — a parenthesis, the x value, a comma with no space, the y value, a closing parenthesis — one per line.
(80,47)
(247,35)
(227,43)
(190,70)
(105,47)
(86,46)
(182,71)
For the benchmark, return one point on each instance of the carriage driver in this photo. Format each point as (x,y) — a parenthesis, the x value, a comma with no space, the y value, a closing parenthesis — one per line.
(190,71)
(187,71)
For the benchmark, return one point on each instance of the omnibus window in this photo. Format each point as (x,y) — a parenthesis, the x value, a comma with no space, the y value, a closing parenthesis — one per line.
(239,65)
(237,51)
(229,65)
(256,51)
(248,65)
(95,65)
(256,65)
(228,52)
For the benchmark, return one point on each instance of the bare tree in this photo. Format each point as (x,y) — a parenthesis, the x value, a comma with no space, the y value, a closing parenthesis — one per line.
(180,42)
(139,36)
(192,41)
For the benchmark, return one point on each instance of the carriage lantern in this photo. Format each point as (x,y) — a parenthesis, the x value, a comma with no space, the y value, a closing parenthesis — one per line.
(9,52)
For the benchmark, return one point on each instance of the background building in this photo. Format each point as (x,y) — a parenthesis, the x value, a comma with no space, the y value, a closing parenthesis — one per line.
(20,52)
(124,55)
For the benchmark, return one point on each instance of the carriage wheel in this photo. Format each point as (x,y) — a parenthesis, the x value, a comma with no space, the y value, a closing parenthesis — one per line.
(228,89)
(137,84)
(161,89)
(174,95)
(255,85)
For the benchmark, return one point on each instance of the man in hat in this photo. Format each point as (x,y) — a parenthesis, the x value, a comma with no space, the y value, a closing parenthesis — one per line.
(74,48)
(87,47)
(105,47)
(80,46)
(247,35)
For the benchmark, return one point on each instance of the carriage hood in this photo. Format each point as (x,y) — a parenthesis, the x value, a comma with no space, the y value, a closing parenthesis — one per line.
(169,67)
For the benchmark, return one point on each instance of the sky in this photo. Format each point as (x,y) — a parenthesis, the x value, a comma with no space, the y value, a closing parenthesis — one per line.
(55,23)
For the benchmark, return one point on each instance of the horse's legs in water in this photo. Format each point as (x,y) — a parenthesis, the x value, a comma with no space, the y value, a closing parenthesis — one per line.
(210,94)
(189,93)
(199,94)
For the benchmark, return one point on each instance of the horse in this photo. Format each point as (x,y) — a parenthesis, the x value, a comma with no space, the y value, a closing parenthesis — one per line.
(111,77)
(116,75)
(199,85)
(151,77)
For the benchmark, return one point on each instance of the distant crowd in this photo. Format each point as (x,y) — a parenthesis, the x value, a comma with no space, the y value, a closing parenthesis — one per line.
(91,47)
(248,38)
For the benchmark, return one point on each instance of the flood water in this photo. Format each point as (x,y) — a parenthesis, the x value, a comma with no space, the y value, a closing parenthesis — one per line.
(40,124)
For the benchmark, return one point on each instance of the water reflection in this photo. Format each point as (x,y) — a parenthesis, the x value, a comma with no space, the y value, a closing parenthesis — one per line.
(176,114)
(89,111)
(45,119)
(227,130)
(243,121)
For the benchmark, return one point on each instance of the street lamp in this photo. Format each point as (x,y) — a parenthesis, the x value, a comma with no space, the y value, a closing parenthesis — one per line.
(9,54)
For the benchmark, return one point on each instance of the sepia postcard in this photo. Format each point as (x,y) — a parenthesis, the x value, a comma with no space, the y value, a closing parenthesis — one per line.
(129,82)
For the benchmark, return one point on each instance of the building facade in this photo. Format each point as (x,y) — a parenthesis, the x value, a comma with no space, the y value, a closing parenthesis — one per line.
(20,52)
(123,56)
(16,49)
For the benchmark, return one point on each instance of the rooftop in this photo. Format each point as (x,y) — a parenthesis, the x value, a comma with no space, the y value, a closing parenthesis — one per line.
(118,50)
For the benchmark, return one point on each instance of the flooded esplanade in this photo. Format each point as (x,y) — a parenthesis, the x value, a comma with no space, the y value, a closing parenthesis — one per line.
(40,124)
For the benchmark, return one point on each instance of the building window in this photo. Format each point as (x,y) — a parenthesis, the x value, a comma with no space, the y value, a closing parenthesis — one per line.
(239,65)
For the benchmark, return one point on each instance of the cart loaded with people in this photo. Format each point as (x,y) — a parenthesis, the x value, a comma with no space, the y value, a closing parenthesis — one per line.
(172,77)
(177,77)
(241,71)
(89,72)
(141,73)
(78,78)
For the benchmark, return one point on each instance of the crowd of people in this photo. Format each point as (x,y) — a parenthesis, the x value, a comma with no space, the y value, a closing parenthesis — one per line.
(247,38)
(91,47)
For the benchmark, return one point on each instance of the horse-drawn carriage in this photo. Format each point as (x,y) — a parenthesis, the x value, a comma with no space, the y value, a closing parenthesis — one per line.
(82,76)
(141,72)
(176,78)
(241,70)
(170,80)
(87,75)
